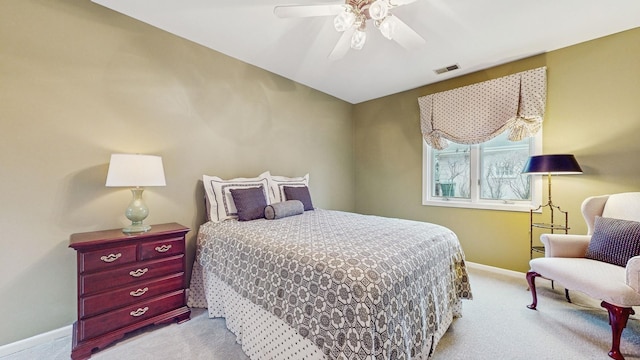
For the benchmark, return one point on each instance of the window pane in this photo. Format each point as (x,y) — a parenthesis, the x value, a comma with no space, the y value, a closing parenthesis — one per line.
(500,172)
(451,172)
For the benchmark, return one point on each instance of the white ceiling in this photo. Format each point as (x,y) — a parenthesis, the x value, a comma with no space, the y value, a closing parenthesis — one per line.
(472,33)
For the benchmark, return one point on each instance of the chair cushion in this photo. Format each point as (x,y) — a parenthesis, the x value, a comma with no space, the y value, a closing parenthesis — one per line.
(624,206)
(614,240)
(597,279)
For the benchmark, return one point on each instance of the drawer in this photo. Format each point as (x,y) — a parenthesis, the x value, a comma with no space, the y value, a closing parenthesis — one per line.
(106,258)
(161,248)
(101,324)
(103,302)
(127,275)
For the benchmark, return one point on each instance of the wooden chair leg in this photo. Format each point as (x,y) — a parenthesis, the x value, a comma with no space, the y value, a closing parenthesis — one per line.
(531,279)
(618,317)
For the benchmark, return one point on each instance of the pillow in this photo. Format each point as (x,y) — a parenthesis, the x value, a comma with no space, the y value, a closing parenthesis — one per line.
(614,240)
(250,202)
(277,183)
(283,209)
(219,199)
(299,193)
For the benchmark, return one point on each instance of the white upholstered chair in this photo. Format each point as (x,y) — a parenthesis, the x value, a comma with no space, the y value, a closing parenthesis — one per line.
(566,260)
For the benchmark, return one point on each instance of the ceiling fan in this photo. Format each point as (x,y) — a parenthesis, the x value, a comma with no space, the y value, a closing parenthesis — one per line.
(351,19)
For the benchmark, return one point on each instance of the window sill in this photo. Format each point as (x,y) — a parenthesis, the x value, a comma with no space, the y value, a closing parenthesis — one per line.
(455,203)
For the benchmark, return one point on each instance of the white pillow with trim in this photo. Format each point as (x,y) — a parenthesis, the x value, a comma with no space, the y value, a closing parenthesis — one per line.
(220,205)
(277,184)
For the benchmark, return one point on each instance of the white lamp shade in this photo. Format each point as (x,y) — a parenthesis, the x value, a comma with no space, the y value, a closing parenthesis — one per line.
(135,170)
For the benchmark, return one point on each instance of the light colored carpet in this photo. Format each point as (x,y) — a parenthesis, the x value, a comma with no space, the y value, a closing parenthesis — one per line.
(495,325)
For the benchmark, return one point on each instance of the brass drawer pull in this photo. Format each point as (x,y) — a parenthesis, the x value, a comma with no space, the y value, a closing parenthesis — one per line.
(163,248)
(111,257)
(138,272)
(139,292)
(139,312)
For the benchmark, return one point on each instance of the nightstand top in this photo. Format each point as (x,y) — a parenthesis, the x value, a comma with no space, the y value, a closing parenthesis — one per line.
(79,240)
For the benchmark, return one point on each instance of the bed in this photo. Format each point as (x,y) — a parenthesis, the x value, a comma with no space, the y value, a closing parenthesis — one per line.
(330,284)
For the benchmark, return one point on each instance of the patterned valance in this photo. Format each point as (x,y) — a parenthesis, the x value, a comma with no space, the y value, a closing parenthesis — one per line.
(477,113)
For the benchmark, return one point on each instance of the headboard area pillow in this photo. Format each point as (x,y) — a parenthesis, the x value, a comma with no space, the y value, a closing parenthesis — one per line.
(283,209)
(277,184)
(300,193)
(219,198)
(250,202)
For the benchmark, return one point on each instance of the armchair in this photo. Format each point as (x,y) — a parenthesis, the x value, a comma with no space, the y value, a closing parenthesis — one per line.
(593,263)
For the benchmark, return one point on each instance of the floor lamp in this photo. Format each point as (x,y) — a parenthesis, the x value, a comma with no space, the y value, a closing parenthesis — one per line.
(563,164)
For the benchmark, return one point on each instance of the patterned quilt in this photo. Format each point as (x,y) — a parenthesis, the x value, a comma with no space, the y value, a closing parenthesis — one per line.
(357,286)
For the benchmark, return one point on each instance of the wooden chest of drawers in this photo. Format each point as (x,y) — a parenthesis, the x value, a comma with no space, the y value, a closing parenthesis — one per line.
(127,281)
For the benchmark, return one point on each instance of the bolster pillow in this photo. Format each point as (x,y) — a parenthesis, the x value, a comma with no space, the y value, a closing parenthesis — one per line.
(283,209)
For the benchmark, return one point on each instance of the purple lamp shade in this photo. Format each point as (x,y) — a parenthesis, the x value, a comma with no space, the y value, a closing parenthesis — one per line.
(565,164)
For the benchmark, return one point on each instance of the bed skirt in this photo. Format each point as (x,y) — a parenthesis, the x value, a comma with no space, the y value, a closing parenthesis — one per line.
(263,335)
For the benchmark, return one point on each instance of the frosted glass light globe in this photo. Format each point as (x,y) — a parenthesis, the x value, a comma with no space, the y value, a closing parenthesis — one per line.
(378,10)
(388,27)
(358,39)
(344,21)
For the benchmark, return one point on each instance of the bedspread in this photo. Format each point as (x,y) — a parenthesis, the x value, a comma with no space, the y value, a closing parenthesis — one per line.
(357,286)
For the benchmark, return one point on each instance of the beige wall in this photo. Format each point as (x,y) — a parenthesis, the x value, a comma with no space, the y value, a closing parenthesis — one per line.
(593,111)
(79,82)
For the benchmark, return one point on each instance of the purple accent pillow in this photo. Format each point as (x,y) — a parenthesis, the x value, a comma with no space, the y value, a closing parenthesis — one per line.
(300,193)
(614,240)
(250,203)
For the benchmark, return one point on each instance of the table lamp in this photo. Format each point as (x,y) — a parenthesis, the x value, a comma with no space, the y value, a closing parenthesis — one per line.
(135,171)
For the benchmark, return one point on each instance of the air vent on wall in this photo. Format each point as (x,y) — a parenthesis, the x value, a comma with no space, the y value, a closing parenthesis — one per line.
(447,69)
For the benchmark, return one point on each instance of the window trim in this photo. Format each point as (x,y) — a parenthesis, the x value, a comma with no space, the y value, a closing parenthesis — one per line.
(475,202)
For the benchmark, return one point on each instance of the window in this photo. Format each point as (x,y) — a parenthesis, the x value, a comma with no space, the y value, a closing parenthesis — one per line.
(483,176)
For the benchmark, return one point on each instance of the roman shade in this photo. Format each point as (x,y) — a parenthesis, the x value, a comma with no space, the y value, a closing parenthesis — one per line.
(477,113)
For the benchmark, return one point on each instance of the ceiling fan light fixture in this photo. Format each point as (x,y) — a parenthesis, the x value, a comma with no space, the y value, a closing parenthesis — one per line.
(388,27)
(378,10)
(358,39)
(351,17)
(344,20)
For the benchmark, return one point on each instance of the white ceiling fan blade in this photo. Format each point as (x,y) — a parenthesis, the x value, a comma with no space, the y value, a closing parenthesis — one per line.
(342,46)
(401,2)
(406,36)
(287,11)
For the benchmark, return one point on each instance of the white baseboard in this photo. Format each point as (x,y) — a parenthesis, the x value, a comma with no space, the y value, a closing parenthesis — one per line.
(494,269)
(36,340)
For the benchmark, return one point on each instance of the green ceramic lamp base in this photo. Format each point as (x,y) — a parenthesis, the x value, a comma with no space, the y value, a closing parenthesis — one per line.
(137,212)
(135,228)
